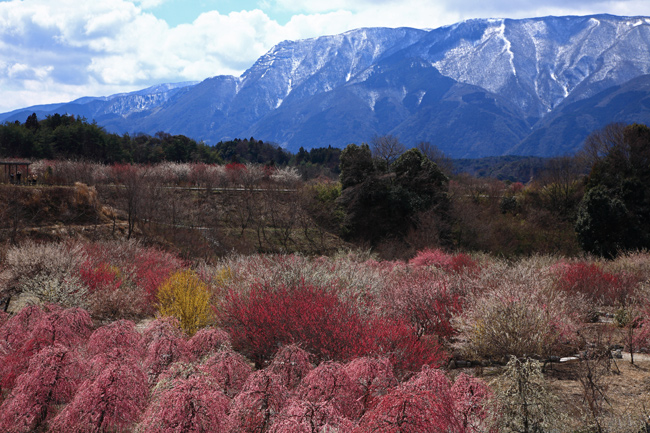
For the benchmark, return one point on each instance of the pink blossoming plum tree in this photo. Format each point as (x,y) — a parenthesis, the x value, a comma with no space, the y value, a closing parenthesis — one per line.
(207,341)
(300,416)
(52,379)
(111,401)
(374,376)
(193,405)
(42,328)
(121,336)
(292,364)
(329,383)
(228,369)
(164,346)
(254,409)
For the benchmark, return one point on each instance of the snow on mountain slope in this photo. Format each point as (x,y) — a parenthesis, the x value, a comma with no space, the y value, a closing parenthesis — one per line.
(299,69)
(538,62)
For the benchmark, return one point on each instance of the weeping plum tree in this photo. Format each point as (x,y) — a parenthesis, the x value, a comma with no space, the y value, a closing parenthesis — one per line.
(193,405)
(111,401)
(373,376)
(291,363)
(120,335)
(207,341)
(34,329)
(309,417)
(164,346)
(254,409)
(329,383)
(408,411)
(228,369)
(429,402)
(52,378)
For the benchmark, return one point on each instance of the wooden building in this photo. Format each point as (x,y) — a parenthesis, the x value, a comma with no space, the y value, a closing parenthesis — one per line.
(14,171)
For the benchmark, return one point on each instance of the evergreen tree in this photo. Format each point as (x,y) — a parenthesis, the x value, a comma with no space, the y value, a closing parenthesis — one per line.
(614,214)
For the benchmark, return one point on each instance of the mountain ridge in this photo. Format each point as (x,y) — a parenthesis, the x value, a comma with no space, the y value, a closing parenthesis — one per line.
(476,88)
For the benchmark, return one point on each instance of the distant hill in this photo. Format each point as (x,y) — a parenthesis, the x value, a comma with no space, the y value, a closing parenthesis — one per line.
(478,88)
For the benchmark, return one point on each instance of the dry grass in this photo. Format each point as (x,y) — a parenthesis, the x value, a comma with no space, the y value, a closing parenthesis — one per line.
(627,392)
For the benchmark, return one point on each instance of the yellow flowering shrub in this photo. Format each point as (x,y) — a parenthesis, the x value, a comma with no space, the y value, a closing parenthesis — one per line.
(184,296)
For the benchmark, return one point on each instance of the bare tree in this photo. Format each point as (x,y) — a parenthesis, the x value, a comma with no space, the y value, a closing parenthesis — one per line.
(436,155)
(599,143)
(595,365)
(128,180)
(387,148)
(560,185)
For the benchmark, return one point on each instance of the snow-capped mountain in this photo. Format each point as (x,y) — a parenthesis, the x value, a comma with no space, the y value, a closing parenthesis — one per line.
(477,88)
(102,108)
(537,63)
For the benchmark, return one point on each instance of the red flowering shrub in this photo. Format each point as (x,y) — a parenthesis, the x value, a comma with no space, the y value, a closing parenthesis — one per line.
(110,292)
(516,187)
(234,172)
(449,263)
(427,257)
(152,267)
(592,281)
(462,262)
(193,405)
(322,324)
(99,277)
(400,343)
(266,318)
(124,277)
(228,369)
(52,378)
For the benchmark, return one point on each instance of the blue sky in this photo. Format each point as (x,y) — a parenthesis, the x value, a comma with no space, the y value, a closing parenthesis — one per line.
(57,51)
(176,12)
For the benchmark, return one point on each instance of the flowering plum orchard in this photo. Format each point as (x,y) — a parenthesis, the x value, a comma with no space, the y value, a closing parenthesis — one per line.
(288,343)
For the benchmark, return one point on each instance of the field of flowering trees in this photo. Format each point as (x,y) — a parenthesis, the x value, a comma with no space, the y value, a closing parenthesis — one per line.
(116,336)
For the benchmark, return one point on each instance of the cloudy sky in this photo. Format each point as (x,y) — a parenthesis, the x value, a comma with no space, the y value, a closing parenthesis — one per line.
(59,50)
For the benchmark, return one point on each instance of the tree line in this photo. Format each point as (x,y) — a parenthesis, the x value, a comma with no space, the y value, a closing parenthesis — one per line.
(69,137)
(597,201)
(394,200)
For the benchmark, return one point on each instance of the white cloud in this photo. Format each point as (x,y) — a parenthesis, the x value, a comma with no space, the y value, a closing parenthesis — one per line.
(57,51)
